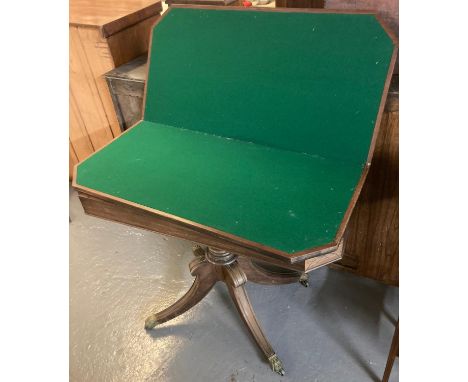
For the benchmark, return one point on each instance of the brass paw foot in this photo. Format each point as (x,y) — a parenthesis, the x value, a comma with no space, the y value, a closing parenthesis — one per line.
(276,364)
(304,280)
(151,322)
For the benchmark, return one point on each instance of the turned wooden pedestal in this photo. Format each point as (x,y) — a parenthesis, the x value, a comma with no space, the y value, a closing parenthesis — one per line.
(212,265)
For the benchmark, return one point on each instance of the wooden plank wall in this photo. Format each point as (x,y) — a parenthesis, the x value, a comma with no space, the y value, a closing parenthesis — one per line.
(90,126)
(93,121)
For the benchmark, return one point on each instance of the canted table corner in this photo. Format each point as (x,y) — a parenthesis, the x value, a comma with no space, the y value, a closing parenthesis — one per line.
(259,164)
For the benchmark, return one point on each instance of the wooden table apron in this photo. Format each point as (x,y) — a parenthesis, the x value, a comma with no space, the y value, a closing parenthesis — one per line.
(214,125)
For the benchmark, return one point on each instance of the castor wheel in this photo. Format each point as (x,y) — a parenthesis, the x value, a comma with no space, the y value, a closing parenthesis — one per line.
(276,364)
(304,280)
(151,322)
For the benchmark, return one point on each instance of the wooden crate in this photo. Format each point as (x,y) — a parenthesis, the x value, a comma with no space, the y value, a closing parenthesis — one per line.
(103,35)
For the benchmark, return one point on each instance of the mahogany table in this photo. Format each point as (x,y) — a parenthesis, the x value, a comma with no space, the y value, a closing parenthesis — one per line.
(259,164)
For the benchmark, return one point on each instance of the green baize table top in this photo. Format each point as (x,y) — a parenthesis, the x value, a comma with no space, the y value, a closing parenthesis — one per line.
(257,124)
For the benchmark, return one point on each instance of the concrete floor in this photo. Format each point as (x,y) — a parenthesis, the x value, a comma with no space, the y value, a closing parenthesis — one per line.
(338,329)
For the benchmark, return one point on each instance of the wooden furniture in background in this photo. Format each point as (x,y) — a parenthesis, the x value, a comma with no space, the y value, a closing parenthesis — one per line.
(300,3)
(103,34)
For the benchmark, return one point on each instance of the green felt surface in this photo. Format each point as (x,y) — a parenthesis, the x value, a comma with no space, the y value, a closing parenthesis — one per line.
(286,200)
(256,123)
(299,81)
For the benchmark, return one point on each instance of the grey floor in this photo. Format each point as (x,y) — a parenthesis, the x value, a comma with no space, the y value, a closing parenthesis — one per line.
(338,329)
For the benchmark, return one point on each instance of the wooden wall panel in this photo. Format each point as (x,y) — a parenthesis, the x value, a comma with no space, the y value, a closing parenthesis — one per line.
(100,61)
(73,159)
(84,91)
(79,138)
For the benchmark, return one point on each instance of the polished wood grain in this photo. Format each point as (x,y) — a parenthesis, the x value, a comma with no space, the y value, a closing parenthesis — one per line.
(244,307)
(328,258)
(205,279)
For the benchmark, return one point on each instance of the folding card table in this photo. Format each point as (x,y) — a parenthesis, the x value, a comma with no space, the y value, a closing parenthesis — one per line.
(257,135)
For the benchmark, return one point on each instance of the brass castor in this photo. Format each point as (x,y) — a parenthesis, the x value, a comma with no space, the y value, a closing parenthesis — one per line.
(276,364)
(151,322)
(304,280)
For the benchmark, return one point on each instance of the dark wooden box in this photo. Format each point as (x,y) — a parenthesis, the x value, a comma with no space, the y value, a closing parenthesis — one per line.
(126,85)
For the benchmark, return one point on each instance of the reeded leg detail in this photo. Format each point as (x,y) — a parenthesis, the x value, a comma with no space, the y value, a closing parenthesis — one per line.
(304,280)
(235,280)
(205,279)
(211,265)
